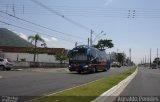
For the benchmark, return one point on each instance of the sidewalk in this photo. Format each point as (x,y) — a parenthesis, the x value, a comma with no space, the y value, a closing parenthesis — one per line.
(53,70)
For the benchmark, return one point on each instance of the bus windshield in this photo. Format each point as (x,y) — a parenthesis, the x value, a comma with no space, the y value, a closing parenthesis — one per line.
(78,55)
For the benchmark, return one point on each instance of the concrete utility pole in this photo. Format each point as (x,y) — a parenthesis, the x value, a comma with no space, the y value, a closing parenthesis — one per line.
(150,57)
(145,59)
(91,37)
(76,44)
(157,52)
(13,10)
(130,55)
(88,41)
(157,58)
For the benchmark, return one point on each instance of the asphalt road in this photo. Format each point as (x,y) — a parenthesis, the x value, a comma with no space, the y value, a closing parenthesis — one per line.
(146,83)
(40,83)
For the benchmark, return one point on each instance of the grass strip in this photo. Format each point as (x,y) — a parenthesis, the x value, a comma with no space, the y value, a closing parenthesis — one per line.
(88,92)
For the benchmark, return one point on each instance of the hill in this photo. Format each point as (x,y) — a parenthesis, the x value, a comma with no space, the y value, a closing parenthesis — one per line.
(9,38)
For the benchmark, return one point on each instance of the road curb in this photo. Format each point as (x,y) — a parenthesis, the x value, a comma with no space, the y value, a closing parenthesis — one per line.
(116,90)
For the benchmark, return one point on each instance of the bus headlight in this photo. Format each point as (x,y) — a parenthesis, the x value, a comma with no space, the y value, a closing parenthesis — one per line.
(86,66)
(69,66)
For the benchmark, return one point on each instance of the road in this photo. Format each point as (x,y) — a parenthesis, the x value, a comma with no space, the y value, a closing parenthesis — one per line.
(146,83)
(40,83)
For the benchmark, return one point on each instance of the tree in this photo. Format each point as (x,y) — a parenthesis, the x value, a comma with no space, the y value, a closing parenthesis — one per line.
(157,60)
(121,58)
(61,57)
(35,39)
(128,60)
(104,43)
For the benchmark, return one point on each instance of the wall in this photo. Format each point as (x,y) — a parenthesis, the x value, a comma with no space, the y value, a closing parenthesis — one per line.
(29,57)
(38,65)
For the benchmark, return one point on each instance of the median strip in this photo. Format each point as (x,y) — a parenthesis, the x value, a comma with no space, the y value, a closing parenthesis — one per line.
(87,92)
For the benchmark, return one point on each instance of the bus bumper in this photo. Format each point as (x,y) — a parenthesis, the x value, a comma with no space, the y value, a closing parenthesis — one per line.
(81,69)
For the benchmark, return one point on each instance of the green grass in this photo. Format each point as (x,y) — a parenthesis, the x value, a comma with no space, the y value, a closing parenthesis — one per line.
(88,92)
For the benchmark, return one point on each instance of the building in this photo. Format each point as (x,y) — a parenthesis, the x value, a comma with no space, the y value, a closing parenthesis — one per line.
(26,54)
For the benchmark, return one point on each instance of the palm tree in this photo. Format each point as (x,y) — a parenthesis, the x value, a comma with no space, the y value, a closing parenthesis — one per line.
(35,39)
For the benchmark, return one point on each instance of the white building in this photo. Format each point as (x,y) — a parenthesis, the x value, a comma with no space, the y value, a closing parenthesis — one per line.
(25,54)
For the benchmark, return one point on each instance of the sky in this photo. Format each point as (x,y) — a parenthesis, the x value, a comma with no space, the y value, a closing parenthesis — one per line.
(129,23)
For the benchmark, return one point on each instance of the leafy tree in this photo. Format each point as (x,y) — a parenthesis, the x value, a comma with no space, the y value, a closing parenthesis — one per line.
(121,57)
(157,60)
(35,39)
(128,60)
(104,43)
(61,57)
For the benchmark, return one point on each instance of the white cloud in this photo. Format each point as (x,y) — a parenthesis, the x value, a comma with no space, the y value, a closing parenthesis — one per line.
(108,2)
(24,36)
(49,39)
(46,39)
(54,39)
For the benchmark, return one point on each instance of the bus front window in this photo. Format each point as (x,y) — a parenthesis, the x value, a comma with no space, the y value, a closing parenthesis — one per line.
(79,55)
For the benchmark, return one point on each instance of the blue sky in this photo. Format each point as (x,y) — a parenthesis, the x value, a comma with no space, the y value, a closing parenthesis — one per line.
(129,23)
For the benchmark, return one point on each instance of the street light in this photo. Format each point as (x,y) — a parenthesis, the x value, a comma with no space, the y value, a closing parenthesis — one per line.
(98,37)
(91,41)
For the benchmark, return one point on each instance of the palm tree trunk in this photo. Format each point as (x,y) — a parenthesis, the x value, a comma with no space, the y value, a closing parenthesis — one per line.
(35,46)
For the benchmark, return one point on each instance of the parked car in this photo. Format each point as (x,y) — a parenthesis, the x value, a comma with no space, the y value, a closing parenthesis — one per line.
(115,64)
(5,64)
(154,66)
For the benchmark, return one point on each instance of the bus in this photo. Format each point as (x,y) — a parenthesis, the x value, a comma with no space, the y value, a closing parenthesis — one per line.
(84,58)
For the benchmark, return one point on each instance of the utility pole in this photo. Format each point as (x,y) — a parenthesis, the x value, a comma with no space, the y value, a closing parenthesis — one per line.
(150,57)
(13,10)
(130,55)
(157,58)
(157,52)
(145,59)
(88,41)
(91,37)
(76,44)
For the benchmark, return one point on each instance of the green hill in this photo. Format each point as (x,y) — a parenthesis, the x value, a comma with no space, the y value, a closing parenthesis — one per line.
(9,38)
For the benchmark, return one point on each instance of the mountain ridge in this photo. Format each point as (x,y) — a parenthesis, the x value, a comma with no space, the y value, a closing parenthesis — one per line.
(9,38)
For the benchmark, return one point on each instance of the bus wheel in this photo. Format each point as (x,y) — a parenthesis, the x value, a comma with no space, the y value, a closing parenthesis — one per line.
(106,68)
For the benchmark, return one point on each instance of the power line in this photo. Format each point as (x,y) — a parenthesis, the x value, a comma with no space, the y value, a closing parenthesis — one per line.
(41,25)
(36,31)
(59,14)
(91,11)
(22,23)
